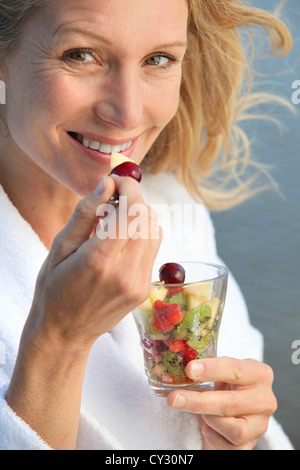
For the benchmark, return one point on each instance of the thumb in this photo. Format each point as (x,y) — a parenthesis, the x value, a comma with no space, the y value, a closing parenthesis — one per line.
(82,222)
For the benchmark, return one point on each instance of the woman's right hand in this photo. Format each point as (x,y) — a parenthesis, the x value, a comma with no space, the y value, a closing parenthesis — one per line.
(87,285)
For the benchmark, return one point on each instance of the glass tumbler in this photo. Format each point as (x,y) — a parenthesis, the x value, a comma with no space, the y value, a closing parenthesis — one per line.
(179,323)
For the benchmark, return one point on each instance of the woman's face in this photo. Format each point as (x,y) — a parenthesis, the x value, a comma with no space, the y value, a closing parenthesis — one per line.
(102,74)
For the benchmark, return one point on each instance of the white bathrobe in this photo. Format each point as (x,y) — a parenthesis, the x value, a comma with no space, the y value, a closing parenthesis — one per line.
(118,411)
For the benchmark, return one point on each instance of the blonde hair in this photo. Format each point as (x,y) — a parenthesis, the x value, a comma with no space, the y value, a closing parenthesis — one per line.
(204,144)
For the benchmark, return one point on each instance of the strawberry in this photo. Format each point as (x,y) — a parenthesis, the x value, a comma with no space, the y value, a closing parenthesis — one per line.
(166,315)
(189,355)
(176,345)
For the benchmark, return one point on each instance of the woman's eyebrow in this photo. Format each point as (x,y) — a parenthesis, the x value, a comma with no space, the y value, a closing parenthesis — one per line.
(172,44)
(63,29)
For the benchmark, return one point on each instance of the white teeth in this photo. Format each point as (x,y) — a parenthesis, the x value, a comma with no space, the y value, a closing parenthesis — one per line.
(86,142)
(104,148)
(94,145)
(124,147)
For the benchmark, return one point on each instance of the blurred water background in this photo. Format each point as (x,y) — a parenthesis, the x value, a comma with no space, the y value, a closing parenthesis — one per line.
(259,239)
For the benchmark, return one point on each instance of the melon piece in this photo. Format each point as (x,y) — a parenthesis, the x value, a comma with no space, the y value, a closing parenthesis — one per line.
(117,159)
(193,301)
(197,295)
(145,311)
(201,290)
(158,293)
(214,304)
(147,305)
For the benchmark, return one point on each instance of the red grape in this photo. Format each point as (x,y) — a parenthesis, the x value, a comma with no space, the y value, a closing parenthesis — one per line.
(128,169)
(172,273)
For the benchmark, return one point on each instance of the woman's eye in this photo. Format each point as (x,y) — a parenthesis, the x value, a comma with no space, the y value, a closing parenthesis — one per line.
(81,56)
(159,60)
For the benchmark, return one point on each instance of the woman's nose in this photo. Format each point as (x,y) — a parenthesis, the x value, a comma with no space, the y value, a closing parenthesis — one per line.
(120,102)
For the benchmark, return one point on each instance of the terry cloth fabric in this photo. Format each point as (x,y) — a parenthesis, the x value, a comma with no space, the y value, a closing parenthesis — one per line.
(118,411)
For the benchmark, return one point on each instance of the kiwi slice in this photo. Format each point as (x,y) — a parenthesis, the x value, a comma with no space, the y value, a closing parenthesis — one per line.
(180,332)
(193,318)
(175,370)
(200,344)
(172,358)
(179,299)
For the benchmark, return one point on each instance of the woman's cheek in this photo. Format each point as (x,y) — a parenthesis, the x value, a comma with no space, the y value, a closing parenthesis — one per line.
(166,104)
(57,98)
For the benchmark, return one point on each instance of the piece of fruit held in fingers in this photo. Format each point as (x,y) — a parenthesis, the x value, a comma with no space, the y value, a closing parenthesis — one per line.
(123,166)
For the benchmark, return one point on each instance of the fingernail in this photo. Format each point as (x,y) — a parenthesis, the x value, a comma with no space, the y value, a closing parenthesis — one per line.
(100,188)
(197,369)
(179,401)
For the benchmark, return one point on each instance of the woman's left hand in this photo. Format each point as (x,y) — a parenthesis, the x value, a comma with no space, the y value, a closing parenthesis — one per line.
(237,412)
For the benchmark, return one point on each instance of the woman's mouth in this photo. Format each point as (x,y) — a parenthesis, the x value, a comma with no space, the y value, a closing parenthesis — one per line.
(100,146)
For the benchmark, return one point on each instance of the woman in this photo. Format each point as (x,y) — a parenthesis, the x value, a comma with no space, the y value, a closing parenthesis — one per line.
(159,79)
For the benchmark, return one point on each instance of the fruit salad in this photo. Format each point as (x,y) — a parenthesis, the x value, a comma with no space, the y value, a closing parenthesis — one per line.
(177,324)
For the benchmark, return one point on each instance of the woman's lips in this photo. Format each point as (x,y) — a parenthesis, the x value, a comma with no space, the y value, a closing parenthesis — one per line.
(97,155)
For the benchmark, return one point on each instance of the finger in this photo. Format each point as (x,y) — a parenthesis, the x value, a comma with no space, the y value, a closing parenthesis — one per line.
(141,253)
(243,373)
(82,221)
(218,403)
(146,262)
(238,431)
(212,440)
(143,223)
(129,187)
(115,231)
